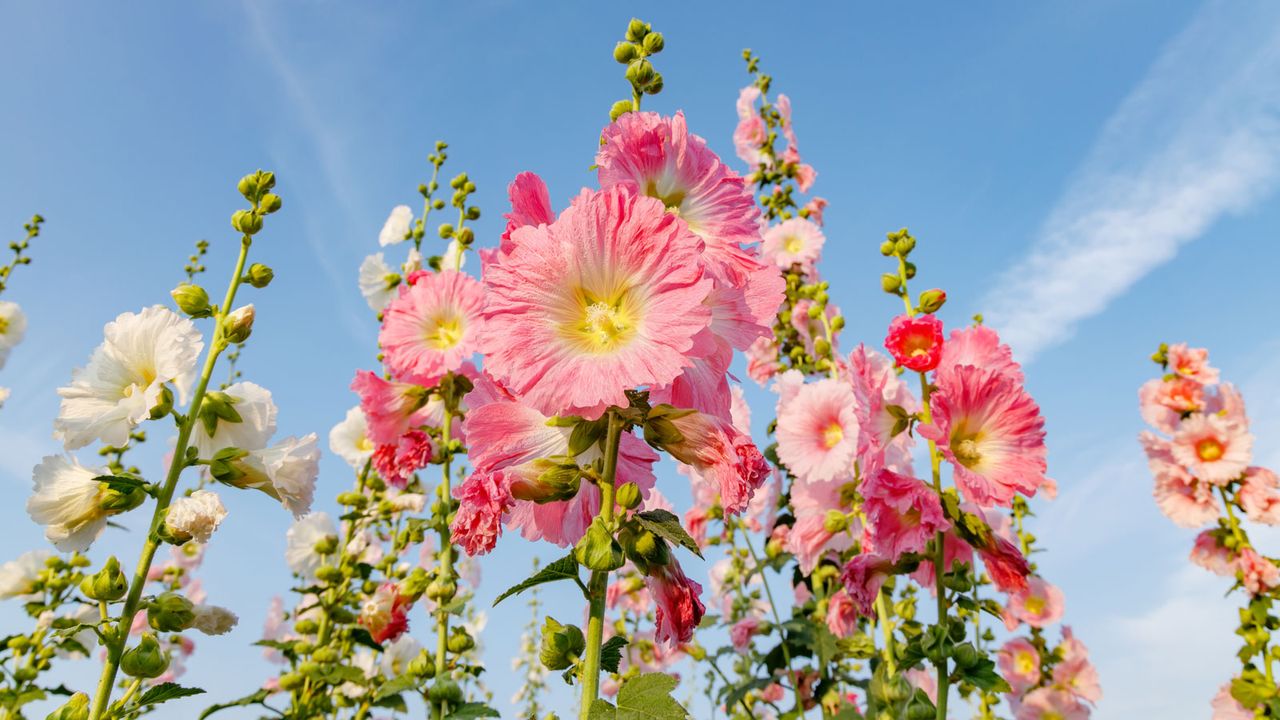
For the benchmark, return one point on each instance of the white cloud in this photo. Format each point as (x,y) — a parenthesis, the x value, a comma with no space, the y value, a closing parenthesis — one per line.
(1198,138)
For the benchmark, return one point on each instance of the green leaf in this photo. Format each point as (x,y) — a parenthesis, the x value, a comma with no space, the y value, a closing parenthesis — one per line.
(739,692)
(396,686)
(611,653)
(165,692)
(566,568)
(602,710)
(648,697)
(667,526)
(468,711)
(257,698)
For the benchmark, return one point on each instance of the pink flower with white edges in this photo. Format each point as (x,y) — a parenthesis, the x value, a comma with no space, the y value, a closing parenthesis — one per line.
(1215,450)
(915,342)
(991,431)
(390,408)
(1257,573)
(842,614)
(1183,499)
(903,513)
(1049,703)
(1019,663)
(679,610)
(1226,707)
(1039,605)
(979,346)
(607,298)
(432,327)
(863,577)
(1259,495)
(818,431)
(385,613)
(794,241)
(1209,554)
(530,205)
(1191,363)
(484,500)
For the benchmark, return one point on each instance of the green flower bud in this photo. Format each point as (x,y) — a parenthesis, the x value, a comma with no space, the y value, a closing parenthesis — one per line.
(931,301)
(640,73)
(886,248)
(164,404)
(644,548)
(561,645)
(446,691)
(628,496)
(145,660)
(890,283)
(327,655)
(624,52)
(904,245)
(620,108)
(637,29)
(352,498)
(248,186)
(653,43)
(120,499)
(269,203)
(238,324)
(559,481)
(460,641)
(835,522)
(466,236)
(77,708)
(655,86)
(108,584)
(597,550)
(291,681)
(306,627)
(329,574)
(910,270)
(423,665)
(821,347)
(246,221)
(445,231)
(442,590)
(415,585)
(259,275)
(192,300)
(170,612)
(303,647)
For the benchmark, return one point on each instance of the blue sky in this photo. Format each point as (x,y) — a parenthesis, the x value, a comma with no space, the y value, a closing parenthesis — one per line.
(1095,177)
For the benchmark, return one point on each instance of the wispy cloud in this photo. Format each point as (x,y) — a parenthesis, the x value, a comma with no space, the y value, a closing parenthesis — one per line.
(1198,138)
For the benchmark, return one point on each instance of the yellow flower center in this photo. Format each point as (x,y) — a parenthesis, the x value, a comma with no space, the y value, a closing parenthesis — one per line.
(364,444)
(793,244)
(672,197)
(4,325)
(1035,604)
(1052,715)
(1024,663)
(601,322)
(443,331)
(1209,449)
(966,450)
(832,435)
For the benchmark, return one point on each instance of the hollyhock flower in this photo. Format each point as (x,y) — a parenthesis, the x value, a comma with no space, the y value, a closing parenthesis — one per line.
(484,499)
(979,346)
(385,614)
(432,327)
(818,431)
(390,408)
(398,462)
(396,228)
(1191,363)
(286,471)
(257,422)
(783,105)
(1226,707)
(214,620)
(1186,501)
(397,656)
(1259,495)
(1075,672)
(750,133)
(762,360)
(530,205)
(915,342)
(1006,565)
(862,577)
(1163,402)
(1039,605)
(805,176)
(814,210)
(606,298)
(812,537)
(1215,450)
(991,431)
(902,512)
(678,608)
(301,540)
(1228,404)
(1019,663)
(378,282)
(921,679)
(1049,703)
(19,578)
(720,454)
(794,241)
(13,325)
(350,441)
(741,632)
(1257,573)
(1209,554)
(126,375)
(67,501)
(955,550)
(842,614)
(196,516)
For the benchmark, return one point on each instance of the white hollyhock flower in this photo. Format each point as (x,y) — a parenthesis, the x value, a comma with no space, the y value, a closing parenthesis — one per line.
(13,325)
(412,261)
(396,228)
(214,620)
(365,547)
(197,515)
(300,543)
(453,258)
(292,465)
(378,282)
(365,662)
(125,376)
(18,578)
(397,656)
(67,501)
(349,439)
(257,422)
(405,501)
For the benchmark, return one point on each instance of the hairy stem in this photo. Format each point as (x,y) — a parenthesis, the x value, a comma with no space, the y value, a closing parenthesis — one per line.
(599,583)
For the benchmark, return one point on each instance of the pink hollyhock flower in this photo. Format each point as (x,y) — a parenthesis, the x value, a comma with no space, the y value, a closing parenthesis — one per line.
(863,577)
(1186,501)
(1049,703)
(741,632)
(979,346)
(1039,605)
(991,431)
(530,205)
(805,176)
(678,608)
(484,499)
(783,104)
(1209,554)
(432,327)
(1259,495)
(1019,663)
(721,454)
(750,134)
(1215,450)
(903,513)
(397,462)
(815,208)
(1005,564)
(1162,402)
(1191,363)
(1158,450)
(1226,707)
(818,431)
(1075,672)
(390,408)
(923,680)
(956,551)
(1227,403)
(385,614)
(762,360)
(773,693)
(842,614)
(607,298)
(794,241)
(812,537)
(915,342)
(1258,574)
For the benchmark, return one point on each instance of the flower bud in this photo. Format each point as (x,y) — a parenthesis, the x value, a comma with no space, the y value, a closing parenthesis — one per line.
(329,574)
(164,404)
(108,584)
(821,347)
(238,325)
(145,660)
(248,186)
(640,73)
(561,644)
(192,300)
(306,627)
(460,641)
(446,691)
(655,86)
(835,522)
(414,585)
(270,203)
(620,108)
(909,270)
(170,612)
(653,43)
(246,221)
(886,248)
(466,236)
(442,590)
(119,499)
(931,301)
(624,52)
(327,655)
(644,548)
(637,29)
(77,708)
(904,245)
(597,550)
(291,681)
(423,665)
(259,275)
(628,496)
(560,481)
(890,283)
(445,231)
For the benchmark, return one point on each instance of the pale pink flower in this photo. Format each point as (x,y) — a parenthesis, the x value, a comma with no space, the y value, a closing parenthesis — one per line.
(1227,403)
(1191,363)
(979,346)
(1259,495)
(842,614)
(741,632)
(815,209)
(1209,554)
(1212,448)
(1257,573)
(805,176)
(1019,663)
(863,577)
(390,408)
(818,431)
(1226,707)
(794,241)
(1039,605)
(432,327)
(1163,402)
(1049,703)
(1159,451)
(923,680)
(679,610)
(762,360)
(1075,672)
(991,431)
(484,499)
(902,512)
(607,298)
(915,342)
(750,134)
(810,538)
(773,693)
(1183,499)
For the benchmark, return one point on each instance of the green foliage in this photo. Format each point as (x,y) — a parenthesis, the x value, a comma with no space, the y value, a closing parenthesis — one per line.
(566,568)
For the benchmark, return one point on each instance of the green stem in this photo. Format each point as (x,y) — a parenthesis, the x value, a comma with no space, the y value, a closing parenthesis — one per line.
(115,648)
(446,558)
(940,552)
(886,629)
(599,583)
(777,619)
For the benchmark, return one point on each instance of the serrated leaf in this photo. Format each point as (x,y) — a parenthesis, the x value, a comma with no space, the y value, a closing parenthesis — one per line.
(165,692)
(396,686)
(666,525)
(648,697)
(566,568)
(611,653)
(469,711)
(257,698)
